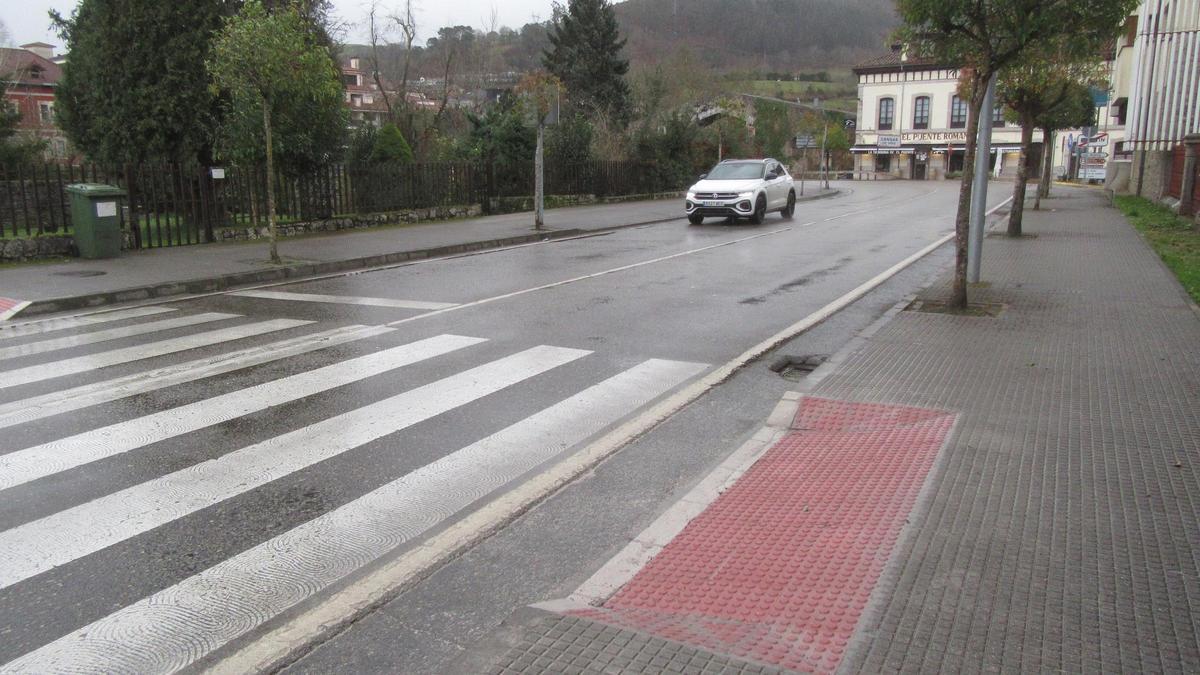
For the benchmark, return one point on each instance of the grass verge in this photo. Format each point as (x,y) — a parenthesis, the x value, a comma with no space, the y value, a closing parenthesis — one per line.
(1175,239)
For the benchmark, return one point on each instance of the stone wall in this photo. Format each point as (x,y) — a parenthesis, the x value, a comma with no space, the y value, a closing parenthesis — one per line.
(352,222)
(520,204)
(37,248)
(1157,172)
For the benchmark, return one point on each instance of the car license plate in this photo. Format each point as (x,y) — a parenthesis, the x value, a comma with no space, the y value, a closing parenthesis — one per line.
(710,202)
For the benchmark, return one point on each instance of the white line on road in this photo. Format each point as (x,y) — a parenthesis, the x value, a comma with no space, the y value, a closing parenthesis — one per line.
(96,337)
(594,275)
(343,299)
(50,325)
(58,539)
(76,398)
(83,364)
(277,647)
(173,628)
(60,455)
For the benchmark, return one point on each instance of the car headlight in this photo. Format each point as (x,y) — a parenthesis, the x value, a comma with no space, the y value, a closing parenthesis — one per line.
(745,195)
(691,196)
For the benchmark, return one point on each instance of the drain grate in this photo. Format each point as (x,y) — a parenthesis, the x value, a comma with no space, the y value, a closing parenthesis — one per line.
(80,273)
(796,368)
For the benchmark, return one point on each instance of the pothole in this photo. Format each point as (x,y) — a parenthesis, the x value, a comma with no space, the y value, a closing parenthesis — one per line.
(80,273)
(985,309)
(796,368)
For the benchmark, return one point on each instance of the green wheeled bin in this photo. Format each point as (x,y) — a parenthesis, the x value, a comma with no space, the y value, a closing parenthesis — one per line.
(96,219)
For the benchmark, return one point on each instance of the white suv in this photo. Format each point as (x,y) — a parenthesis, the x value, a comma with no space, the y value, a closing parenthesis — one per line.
(742,188)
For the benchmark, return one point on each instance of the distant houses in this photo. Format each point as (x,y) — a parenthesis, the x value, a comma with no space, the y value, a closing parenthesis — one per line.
(365,100)
(31,74)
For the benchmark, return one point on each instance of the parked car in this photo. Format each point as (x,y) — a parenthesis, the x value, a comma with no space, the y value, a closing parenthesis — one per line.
(742,188)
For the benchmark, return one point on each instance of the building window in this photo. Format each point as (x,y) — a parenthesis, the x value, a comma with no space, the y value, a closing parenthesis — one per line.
(921,112)
(47,112)
(887,110)
(883,163)
(998,116)
(958,113)
(35,73)
(356,100)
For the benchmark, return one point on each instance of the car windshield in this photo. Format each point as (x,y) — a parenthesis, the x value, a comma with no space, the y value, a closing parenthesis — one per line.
(739,171)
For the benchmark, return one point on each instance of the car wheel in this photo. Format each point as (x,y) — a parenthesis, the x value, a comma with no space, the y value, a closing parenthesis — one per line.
(696,219)
(789,210)
(760,211)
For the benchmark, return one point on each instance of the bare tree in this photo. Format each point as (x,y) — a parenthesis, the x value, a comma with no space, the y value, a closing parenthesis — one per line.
(377,37)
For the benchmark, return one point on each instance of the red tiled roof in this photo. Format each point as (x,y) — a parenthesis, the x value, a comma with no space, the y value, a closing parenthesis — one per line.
(17,64)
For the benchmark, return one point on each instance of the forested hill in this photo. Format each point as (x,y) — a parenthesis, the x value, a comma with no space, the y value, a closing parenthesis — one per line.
(763,35)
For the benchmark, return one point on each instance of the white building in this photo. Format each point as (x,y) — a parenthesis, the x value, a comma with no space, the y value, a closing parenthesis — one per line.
(1156,82)
(912,123)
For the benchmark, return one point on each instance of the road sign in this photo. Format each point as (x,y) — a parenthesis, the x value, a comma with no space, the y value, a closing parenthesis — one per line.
(806,141)
(1094,155)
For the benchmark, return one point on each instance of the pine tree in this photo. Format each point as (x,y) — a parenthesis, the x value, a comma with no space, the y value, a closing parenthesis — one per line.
(585,54)
(390,146)
(135,87)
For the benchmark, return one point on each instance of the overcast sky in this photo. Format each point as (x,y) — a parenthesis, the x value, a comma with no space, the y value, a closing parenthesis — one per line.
(27,21)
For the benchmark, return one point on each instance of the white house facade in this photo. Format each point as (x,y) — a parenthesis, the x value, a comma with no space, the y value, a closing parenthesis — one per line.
(1156,87)
(912,124)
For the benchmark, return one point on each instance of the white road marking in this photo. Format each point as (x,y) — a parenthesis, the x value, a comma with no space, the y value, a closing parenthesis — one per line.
(50,458)
(58,539)
(99,336)
(171,629)
(343,299)
(55,403)
(594,275)
(50,325)
(276,647)
(83,364)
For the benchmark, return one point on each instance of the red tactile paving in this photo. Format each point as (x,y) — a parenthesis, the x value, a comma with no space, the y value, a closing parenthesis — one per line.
(9,307)
(780,567)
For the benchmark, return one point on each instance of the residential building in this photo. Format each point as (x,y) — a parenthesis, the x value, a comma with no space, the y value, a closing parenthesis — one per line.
(366,101)
(31,77)
(1156,89)
(913,124)
(363,96)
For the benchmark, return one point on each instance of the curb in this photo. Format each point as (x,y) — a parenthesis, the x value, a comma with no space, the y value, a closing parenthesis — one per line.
(291,640)
(832,192)
(299,272)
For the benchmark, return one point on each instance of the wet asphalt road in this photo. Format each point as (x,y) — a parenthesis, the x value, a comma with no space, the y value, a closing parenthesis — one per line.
(85,540)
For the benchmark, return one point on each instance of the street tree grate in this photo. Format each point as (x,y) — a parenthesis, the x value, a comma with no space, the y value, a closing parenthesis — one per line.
(980,309)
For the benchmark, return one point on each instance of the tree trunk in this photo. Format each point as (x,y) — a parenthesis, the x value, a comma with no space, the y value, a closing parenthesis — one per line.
(1043,190)
(1017,210)
(962,221)
(539,185)
(270,184)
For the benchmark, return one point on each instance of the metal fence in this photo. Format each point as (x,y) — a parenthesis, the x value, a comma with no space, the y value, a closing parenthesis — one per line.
(172,205)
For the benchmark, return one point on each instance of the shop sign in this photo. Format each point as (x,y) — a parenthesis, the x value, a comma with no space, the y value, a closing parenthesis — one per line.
(933,136)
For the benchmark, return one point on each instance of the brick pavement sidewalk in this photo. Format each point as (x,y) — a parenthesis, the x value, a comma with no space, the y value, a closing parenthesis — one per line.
(1059,529)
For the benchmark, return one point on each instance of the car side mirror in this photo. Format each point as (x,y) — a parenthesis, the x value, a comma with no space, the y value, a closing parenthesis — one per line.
(772,175)
(703,176)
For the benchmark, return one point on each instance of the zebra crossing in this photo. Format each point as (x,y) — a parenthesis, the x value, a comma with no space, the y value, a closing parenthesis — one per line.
(181,622)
